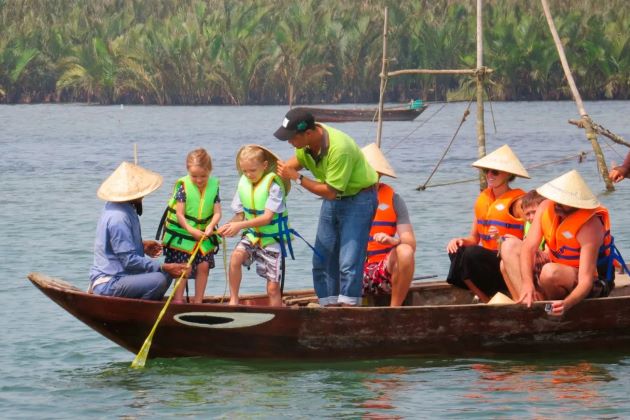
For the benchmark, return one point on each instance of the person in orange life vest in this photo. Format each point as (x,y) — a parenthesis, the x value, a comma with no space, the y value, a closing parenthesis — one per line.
(392,245)
(576,229)
(619,173)
(511,245)
(474,262)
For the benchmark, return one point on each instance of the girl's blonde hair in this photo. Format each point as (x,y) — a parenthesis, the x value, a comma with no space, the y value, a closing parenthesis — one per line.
(199,157)
(253,152)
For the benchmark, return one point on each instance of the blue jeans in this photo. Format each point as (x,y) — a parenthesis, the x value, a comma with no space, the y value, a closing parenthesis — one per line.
(151,286)
(342,237)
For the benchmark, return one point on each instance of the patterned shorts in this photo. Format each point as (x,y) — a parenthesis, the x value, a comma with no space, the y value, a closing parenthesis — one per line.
(376,279)
(176,256)
(268,260)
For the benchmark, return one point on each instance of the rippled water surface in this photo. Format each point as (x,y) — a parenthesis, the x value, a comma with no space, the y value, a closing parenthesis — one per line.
(52,366)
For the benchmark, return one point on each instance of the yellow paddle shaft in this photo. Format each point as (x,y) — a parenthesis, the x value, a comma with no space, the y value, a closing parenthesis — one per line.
(141,357)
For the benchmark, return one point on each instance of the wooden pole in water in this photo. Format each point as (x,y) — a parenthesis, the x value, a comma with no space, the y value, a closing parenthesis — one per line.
(379,128)
(591,135)
(481,132)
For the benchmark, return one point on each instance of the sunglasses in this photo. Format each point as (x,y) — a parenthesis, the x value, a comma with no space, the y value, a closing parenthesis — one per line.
(491,171)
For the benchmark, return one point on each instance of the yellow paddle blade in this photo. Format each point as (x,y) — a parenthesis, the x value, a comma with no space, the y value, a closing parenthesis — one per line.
(141,357)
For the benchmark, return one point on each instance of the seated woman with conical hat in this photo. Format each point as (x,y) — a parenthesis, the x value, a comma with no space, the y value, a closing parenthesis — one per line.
(474,258)
(576,228)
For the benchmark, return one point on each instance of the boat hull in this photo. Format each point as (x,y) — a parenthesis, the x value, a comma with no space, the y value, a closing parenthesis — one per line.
(347,115)
(298,332)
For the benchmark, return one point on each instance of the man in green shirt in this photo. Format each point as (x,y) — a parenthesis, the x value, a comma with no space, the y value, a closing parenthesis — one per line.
(346,182)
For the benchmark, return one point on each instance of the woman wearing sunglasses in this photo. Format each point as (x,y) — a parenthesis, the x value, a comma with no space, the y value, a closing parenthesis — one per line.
(474,258)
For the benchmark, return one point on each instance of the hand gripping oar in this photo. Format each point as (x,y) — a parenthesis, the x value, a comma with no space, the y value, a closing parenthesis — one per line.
(141,357)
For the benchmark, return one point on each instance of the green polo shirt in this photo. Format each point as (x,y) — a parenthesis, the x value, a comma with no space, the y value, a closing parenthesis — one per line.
(342,165)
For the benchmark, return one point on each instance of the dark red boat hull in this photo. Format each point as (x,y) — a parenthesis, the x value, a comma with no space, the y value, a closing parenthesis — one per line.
(338,333)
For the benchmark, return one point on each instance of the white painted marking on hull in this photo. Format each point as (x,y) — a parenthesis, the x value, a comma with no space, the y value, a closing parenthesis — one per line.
(232,319)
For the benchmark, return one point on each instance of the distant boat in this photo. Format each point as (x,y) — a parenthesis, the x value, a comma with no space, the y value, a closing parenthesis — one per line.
(437,318)
(401,113)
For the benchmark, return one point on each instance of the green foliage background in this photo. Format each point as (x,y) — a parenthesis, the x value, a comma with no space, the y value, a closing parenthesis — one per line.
(307,51)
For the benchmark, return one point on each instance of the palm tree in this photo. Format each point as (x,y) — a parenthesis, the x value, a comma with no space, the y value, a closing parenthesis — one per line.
(15,58)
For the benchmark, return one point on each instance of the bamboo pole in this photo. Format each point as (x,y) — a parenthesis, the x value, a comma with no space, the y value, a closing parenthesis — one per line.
(480,75)
(591,135)
(379,129)
(603,131)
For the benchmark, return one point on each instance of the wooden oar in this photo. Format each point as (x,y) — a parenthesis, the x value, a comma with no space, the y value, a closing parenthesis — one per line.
(141,357)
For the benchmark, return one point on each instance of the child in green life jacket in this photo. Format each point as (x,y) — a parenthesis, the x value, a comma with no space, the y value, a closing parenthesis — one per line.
(193,211)
(260,211)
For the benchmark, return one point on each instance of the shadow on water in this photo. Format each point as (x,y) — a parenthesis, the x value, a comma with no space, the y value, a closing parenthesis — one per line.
(544,385)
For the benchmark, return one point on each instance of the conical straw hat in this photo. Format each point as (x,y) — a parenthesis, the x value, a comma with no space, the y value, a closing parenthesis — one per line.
(270,157)
(571,190)
(377,160)
(129,182)
(500,299)
(502,159)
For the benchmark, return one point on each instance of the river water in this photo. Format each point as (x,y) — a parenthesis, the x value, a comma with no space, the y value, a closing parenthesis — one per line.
(54,157)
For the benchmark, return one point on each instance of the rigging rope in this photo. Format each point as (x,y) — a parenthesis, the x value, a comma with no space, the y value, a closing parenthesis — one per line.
(494,123)
(415,129)
(463,120)
(225,268)
(581,157)
(614,150)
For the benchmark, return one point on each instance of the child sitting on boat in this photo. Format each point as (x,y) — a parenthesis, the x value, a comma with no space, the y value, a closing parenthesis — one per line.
(193,212)
(510,248)
(261,213)
(392,245)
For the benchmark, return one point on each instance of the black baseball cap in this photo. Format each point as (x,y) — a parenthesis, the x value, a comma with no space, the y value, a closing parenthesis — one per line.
(297,120)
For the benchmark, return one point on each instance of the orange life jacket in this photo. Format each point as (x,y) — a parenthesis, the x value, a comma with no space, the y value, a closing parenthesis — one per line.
(384,221)
(561,236)
(491,211)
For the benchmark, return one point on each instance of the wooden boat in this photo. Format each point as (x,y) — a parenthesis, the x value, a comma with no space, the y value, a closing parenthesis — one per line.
(364,114)
(436,319)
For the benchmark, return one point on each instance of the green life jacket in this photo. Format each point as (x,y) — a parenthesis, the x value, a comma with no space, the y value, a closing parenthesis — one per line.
(526,229)
(254,198)
(198,213)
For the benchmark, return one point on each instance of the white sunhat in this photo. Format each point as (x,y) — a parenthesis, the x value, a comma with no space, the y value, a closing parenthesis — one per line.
(571,190)
(129,182)
(503,159)
(500,299)
(377,160)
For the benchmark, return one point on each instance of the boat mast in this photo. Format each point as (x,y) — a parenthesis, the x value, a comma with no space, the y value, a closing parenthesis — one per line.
(591,135)
(379,129)
(480,73)
(481,131)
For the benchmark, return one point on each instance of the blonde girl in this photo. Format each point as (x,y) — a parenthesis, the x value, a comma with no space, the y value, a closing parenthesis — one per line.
(260,211)
(194,210)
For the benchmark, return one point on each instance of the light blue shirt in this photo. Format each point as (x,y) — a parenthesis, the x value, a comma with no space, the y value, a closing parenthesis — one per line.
(118,247)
